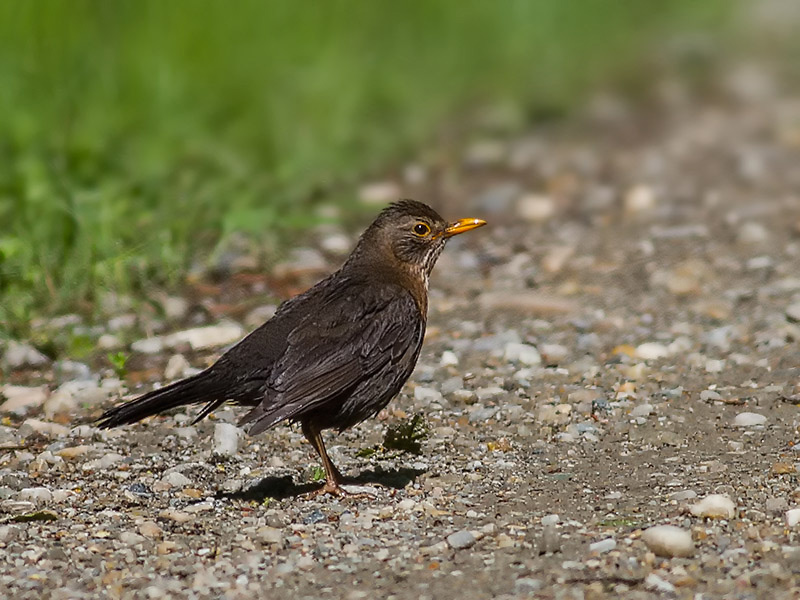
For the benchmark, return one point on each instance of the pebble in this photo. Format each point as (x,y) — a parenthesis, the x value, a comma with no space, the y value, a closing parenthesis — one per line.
(651,351)
(130,538)
(30,426)
(752,233)
(21,398)
(269,535)
(553,354)
(749,419)
(793,312)
(715,506)
(18,355)
(426,395)
(642,410)
(175,308)
(657,584)
(639,199)
(536,208)
(552,519)
(527,585)
(176,479)
(37,495)
(74,394)
(449,358)
(379,192)
(177,367)
(70,370)
(211,336)
(603,546)
(522,353)
(669,541)
(175,515)
(461,539)
(150,529)
(226,439)
(792,517)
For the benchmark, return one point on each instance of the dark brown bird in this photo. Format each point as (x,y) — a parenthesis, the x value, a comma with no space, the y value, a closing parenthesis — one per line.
(334,355)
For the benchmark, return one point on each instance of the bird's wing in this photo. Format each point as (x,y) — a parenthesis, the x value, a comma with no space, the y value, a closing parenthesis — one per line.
(352,336)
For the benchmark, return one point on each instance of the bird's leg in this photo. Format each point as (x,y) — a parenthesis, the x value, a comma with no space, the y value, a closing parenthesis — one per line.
(333,478)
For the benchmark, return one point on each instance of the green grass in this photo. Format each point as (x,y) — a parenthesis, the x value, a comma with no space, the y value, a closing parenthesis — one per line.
(136,136)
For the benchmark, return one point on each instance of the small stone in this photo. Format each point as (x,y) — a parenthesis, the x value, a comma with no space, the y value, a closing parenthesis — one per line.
(655,583)
(201,338)
(776,505)
(150,529)
(715,506)
(74,394)
(449,358)
(749,419)
(176,479)
(536,208)
(792,517)
(522,353)
(753,233)
(269,535)
(553,354)
(527,585)
(226,439)
(669,541)
(70,370)
(259,315)
(177,367)
(175,515)
(461,539)
(426,395)
(151,345)
(603,546)
(793,312)
(651,351)
(19,399)
(18,355)
(552,519)
(175,307)
(130,538)
(37,495)
(379,192)
(639,199)
(8,532)
(642,410)
(71,452)
(30,426)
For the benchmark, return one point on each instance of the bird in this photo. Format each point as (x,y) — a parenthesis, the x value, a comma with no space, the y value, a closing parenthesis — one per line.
(333,356)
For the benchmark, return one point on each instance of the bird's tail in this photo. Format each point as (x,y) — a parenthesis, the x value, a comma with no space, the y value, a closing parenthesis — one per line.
(203,387)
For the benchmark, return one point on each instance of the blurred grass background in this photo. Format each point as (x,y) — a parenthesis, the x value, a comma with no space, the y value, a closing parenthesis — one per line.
(137,135)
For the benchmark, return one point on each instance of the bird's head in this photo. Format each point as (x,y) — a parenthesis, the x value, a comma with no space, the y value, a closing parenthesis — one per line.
(412,235)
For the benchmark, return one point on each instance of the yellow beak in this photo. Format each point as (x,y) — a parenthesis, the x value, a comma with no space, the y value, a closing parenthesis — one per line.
(463,225)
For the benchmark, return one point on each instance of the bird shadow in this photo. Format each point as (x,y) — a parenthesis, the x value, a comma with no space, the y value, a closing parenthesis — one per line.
(280,488)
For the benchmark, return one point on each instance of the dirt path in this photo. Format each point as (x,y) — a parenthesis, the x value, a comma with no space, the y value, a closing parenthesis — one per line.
(618,346)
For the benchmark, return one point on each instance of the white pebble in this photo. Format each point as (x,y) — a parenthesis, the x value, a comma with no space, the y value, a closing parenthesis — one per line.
(655,583)
(548,520)
(38,495)
(792,517)
(603,546)
(523,353)
(176,479)
(668,540)
(449,358)
(715,506)
(651,351)
(177,365)
(226,439)
(748,419)
(536,208)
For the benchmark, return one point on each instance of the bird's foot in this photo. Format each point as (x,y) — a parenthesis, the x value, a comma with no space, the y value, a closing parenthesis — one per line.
(335,488)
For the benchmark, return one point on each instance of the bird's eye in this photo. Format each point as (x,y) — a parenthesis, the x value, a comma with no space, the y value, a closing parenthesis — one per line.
(422,229)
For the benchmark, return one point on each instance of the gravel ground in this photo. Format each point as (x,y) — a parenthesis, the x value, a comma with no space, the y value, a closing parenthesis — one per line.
(618,351)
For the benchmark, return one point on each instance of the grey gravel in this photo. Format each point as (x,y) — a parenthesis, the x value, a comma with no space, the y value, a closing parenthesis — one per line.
(586,380)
